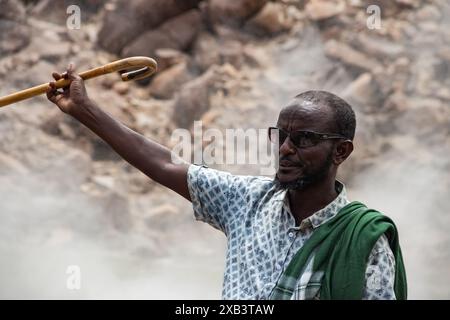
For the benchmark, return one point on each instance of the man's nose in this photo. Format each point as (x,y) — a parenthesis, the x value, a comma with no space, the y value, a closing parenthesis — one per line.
(287,147)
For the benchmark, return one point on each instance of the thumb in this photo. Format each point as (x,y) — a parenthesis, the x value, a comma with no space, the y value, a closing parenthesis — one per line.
(70,73)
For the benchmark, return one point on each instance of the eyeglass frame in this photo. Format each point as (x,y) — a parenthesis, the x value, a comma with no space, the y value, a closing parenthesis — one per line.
(318,136)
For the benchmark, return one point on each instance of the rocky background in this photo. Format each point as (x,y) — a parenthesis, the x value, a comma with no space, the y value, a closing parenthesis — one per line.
(68,199)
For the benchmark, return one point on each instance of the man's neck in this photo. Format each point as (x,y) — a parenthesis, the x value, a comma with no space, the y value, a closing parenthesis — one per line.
(304,203)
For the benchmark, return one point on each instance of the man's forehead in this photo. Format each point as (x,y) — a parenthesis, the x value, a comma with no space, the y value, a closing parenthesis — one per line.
(305,115)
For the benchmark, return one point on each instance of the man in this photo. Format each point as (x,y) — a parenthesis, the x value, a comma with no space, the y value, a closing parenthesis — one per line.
(293,237)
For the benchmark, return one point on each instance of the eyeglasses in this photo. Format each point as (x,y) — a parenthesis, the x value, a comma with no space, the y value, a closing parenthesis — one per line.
(300,138)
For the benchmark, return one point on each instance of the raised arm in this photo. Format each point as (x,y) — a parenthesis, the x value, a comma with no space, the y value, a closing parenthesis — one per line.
(153,159)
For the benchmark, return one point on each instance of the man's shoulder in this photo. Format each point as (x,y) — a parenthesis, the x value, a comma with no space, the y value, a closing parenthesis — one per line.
(197,168)
(245,184)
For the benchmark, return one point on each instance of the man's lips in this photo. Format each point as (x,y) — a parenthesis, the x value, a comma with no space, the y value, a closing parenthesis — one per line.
(289,164)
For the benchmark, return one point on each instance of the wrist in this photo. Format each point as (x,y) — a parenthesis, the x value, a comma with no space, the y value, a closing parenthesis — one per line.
(86,108)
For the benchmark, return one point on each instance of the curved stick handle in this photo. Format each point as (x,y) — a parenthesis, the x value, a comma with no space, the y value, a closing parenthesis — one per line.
(147,66)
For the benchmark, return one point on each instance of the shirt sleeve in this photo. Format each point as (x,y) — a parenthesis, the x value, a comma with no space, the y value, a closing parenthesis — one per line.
(380,272)
(218,197)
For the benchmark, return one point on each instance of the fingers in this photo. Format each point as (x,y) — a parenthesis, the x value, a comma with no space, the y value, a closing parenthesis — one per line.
(70,73)
(52,93)
(56,76)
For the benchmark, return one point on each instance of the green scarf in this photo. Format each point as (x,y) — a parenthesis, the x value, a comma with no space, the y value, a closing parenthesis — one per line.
(342,247)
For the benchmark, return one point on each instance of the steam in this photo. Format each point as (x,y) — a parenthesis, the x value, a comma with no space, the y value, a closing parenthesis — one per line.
(415,197)
(46,229)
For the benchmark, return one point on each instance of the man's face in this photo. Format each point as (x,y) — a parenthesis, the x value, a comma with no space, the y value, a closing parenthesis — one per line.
(301,167)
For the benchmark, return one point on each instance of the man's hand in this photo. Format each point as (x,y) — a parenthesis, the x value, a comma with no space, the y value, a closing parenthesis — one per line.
(73,97)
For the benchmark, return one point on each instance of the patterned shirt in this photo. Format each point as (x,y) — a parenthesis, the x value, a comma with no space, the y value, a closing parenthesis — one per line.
(262,236)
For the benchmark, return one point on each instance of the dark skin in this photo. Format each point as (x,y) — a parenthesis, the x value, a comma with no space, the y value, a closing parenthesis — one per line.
(155,160)
(301,115)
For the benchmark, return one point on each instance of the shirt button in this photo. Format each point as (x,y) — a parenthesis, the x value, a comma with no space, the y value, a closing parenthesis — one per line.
(291,234)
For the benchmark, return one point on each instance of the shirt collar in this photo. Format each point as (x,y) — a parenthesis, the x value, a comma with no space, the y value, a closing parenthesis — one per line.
(323,215)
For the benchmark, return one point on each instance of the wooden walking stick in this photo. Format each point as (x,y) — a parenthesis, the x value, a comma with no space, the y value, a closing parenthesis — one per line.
(147,67)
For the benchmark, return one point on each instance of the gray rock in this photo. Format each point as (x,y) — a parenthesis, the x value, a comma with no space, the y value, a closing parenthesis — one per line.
(234,12)
(378,47)
(52,51)
(168,82)
(320,9)
(271,19)
(167,57)
(362,91)
(15,33)
(176,33)
(128,20)
(350,56)
(206,51)
(193,99)
(12,10)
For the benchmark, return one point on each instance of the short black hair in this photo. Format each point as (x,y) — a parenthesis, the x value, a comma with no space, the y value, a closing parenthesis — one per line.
(343,112)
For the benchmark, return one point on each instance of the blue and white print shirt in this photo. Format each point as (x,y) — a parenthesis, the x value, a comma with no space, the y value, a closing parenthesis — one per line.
(262,236)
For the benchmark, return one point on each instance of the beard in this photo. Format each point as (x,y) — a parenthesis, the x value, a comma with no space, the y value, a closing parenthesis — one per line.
(309,178)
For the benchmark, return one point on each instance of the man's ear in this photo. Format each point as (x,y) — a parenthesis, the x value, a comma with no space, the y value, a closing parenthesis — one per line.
(342,151)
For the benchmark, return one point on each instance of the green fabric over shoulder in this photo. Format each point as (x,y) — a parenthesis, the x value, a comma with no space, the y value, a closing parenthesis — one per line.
(342,247)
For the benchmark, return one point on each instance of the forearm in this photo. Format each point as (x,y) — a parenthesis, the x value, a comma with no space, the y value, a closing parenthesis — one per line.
(151,158)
